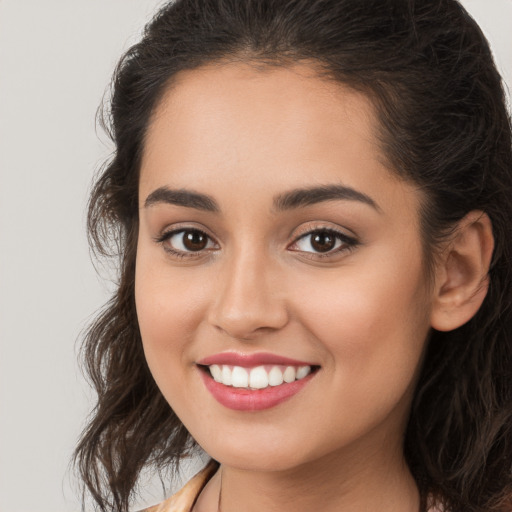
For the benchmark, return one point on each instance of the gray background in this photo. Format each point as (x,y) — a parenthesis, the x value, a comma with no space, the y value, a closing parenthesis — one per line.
(56,58)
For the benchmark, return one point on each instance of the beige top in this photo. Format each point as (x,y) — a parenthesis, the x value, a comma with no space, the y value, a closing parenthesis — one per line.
(184,499)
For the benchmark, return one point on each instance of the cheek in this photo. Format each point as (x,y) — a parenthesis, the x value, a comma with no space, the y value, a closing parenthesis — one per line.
(357,302)
(169,308)
(374,324)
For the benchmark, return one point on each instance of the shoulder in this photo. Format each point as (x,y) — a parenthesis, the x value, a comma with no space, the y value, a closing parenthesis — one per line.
(184,499)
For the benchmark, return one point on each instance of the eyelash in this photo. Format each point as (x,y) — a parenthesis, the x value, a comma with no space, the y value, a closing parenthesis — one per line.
(167,235)
(347,243)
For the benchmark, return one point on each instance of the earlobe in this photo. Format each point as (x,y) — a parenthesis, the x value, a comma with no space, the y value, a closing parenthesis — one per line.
(462,273)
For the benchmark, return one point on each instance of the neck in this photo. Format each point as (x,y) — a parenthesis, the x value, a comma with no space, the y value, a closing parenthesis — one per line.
(339,481)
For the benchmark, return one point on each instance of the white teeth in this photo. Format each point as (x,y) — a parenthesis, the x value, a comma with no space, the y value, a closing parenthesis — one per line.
(289,374)
(303,371)
(216,372)
(259,377)
(275,376)
(239,377)
(226,375)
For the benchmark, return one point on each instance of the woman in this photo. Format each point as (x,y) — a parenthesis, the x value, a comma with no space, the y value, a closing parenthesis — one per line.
(311,203)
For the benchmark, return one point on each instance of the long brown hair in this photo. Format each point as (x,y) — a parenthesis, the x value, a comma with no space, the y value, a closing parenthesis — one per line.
(443,125)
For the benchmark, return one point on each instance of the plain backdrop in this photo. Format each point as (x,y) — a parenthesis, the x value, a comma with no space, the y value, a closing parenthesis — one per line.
(56,59)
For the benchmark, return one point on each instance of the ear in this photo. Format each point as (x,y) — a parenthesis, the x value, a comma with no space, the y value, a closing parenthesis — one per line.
(462,279)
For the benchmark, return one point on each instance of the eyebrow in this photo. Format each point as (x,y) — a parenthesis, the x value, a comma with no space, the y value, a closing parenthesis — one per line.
(312,195)
(293,199)
(182,197)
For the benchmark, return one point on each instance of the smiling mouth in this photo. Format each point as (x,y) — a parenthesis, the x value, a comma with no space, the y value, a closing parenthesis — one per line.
(257,377)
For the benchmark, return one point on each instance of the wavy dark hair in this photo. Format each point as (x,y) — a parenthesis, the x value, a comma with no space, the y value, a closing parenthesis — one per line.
(444,126)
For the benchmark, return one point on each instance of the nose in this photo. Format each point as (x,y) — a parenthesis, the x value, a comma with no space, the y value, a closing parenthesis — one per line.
(250,300)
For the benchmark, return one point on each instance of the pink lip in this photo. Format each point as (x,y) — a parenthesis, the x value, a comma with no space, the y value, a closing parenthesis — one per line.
(241,399)
(249,360)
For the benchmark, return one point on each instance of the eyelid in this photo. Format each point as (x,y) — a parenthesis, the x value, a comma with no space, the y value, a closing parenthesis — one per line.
(314,226)
(182,226)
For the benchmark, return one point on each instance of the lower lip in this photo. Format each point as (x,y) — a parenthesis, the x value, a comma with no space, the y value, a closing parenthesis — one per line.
(241,399)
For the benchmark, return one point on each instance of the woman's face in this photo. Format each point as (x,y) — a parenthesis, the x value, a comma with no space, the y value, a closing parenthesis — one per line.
(275,246)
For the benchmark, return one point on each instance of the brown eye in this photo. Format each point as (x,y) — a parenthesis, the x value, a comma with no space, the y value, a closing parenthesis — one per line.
(185,241)
(194,240)
(323,241)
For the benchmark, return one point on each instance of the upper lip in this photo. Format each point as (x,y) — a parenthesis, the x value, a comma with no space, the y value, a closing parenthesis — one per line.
(250,360)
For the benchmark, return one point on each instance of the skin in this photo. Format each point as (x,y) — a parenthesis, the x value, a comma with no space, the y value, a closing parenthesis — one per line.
(362,314)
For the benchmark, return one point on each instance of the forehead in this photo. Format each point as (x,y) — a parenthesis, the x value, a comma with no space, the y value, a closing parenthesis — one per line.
(225,104)
(265,128)
(279,86)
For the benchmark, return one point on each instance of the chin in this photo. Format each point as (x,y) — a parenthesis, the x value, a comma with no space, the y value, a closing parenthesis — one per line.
(262,453)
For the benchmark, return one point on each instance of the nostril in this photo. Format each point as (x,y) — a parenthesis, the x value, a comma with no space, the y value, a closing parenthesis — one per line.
(232,333)
(247,326)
